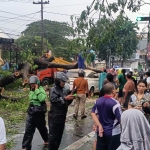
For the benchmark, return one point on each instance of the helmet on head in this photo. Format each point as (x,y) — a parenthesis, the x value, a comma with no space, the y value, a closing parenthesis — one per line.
(34,80)
(81,73)
(61,76)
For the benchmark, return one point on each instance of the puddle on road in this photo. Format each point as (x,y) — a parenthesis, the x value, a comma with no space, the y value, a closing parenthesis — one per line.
(74,130)
(69,127)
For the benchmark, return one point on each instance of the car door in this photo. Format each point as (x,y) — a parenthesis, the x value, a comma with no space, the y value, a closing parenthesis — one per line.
(93,81)
(96,82)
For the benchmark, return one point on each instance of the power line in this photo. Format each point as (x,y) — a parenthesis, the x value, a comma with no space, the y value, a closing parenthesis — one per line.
(10,34)
(27,15)
(20,1)
(9,30)
(24,24)
(16,18)
(5,33)
(27,21)
(68,5)
(61,14)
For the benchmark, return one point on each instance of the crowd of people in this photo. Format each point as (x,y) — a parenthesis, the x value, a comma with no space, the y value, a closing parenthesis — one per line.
(60,98)
(122,112)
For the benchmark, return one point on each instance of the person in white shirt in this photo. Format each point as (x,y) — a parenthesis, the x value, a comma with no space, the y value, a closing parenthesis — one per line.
(147,75)
(2,135)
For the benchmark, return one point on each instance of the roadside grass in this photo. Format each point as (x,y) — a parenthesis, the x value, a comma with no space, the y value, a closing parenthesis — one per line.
(13,114)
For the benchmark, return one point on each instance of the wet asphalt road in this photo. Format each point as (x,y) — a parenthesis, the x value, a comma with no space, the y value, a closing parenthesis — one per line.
(74,131)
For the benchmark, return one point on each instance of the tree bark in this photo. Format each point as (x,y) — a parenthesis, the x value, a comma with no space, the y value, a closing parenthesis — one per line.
(14,99)
(93,69)
(54,65)
(26,68)
(9,79)
(25,74)
(122,62)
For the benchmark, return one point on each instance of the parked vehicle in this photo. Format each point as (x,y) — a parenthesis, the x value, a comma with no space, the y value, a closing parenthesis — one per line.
(127,69)
(46,76)
(91,76)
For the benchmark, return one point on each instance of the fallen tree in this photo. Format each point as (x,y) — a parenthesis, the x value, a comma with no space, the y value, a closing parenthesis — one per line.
(41,63)
(25,71)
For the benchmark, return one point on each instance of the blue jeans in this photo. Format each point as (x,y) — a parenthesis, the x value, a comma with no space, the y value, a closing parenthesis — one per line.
(108,142)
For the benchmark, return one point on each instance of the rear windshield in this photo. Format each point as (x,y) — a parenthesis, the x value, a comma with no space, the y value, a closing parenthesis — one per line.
(73,74)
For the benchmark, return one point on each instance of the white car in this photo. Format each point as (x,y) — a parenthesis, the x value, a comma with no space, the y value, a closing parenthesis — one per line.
(91,76)
(127,69)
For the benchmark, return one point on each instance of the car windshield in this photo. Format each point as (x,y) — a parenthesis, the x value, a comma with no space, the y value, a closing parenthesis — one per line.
(72,74)
(127,70)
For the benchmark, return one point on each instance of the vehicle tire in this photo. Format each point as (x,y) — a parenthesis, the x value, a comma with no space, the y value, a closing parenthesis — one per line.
(92,91)
(45,81)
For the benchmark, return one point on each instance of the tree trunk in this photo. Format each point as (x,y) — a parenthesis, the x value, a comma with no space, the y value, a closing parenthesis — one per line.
(25,74)
(93,69)
(14,99)
(26,68)
(122,62)
(54,65)
(9,79)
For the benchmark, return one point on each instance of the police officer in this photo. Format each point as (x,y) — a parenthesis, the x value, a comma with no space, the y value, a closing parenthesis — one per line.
(135,75)
(36,114)
(59,106)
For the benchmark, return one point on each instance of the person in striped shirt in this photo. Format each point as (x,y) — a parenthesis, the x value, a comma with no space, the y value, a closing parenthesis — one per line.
(109,112)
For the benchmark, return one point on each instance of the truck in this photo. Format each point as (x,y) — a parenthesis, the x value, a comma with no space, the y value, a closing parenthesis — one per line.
(46,76)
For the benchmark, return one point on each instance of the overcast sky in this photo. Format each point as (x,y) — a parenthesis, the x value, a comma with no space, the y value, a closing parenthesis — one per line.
(59,10)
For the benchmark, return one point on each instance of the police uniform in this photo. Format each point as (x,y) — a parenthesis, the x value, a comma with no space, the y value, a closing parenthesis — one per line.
(135,75)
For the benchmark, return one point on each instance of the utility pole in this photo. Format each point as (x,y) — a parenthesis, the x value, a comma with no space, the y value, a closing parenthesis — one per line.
(42,23)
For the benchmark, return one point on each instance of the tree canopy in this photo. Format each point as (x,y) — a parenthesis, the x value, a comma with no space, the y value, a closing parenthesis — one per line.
(33,43)
(109,35)
(56,33)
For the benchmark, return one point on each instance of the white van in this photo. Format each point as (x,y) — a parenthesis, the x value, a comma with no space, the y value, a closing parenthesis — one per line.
(127,69)
(91,76)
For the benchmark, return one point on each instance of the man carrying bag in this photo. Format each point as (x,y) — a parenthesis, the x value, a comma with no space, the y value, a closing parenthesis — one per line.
(80,85)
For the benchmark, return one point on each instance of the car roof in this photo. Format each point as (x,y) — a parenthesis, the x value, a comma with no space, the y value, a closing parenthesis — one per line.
(123,68)
(86,71)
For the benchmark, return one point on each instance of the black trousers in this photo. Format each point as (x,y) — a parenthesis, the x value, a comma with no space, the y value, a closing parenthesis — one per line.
(33,122)
(108,142)
(55,135)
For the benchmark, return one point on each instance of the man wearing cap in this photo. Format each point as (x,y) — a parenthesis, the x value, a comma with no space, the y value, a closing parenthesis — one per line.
(81,86)
(60,100)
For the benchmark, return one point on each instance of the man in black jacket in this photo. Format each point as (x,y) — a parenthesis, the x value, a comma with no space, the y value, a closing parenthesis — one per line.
(59,106)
